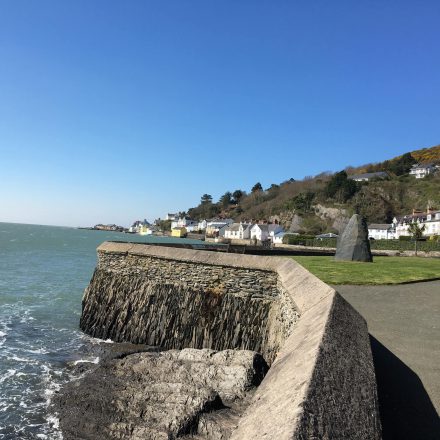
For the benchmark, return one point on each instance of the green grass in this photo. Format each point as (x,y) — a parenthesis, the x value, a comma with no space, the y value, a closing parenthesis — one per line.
(383,270)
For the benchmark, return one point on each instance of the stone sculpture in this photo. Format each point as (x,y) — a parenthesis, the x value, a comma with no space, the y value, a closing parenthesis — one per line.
(353,244)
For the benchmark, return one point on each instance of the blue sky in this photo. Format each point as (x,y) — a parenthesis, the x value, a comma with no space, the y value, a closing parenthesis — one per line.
(114,111)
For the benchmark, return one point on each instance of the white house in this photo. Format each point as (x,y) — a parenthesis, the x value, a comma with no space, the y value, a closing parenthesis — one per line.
(430,219)
(260,232)
(185,222)
(419,171)
(238,231)
(265,232)
(381,231)
(274,229)
(172,217)
(232,231)
(432,223)
(278,237)
(134,228)
(202,225)
(245,231)
(217,227)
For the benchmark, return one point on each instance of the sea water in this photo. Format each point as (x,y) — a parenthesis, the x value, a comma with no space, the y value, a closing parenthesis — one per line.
(43,273)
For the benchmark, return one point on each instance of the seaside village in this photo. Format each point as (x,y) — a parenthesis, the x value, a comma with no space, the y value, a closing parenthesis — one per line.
(216,230)
(264,233)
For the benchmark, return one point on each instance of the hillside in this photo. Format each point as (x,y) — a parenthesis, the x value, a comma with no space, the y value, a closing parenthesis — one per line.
(324,203)
(427,154)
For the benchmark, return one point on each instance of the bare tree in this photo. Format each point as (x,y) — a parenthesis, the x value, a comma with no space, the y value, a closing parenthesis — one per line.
(416,232)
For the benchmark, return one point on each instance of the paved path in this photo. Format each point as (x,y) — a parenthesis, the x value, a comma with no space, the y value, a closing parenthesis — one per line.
(404,324)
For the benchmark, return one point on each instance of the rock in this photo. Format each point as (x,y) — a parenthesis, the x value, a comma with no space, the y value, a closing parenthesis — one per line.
(353,244)
(130,308)
(161,395)
(296,224)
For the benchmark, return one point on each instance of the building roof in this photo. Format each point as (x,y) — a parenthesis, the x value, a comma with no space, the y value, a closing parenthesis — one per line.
(262,227)
(422,165)
(379,174)
(382,226)
(217,225)
(233,227)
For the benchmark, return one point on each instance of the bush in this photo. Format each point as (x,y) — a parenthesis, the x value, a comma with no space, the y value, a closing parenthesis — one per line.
(405,245)
(383,245)
(308,240)
(404,238)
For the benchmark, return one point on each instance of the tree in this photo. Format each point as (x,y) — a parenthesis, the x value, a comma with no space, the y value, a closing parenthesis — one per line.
(402,165)
(257,187)
(225,199)
(206,198)
(416,232)
(341,188)
(273,187)
(165,225)
(238,195)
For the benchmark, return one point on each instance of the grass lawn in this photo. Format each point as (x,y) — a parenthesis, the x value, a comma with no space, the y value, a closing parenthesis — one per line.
(383,270)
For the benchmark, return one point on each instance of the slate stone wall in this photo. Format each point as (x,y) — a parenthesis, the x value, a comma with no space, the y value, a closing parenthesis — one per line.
(178,304)
(223,279)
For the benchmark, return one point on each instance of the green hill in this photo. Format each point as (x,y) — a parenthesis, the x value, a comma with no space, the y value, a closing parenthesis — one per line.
(323,203)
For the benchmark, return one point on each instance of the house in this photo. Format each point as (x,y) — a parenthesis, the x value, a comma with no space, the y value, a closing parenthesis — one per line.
(215,230)
(217,227)
(134,228)
(419,171)
(185,222)
(275,230)
(202,225)
(369,176)
(278,237)
(265,232)
(381,231)
(432,224)
(179,232)
(238,231)
(232,231)
(430,219)
(260,232)
(172,217)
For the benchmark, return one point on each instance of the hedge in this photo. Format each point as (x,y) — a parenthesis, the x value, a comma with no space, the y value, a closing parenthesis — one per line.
(386,245)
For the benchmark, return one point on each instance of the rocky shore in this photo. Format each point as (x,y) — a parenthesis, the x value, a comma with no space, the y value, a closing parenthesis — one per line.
(157,395)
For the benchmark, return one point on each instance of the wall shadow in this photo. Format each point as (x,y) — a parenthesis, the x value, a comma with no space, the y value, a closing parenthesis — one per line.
(406,411)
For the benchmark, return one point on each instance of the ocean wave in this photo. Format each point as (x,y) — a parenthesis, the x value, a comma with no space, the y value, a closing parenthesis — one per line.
(7,375)
(87,361)
(19,359)
(38,351)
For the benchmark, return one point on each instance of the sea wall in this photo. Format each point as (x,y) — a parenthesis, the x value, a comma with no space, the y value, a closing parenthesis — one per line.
(321,383)
(152,296)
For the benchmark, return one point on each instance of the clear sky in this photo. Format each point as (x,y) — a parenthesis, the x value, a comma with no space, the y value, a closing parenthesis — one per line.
(112,111)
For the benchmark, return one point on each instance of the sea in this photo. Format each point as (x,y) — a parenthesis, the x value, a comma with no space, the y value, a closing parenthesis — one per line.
(43,273)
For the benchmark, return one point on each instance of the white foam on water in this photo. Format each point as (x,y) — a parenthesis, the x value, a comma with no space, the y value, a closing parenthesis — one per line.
(19,359)
(95,341)
(7,375)
(3,334)
(38,351)
(87,361)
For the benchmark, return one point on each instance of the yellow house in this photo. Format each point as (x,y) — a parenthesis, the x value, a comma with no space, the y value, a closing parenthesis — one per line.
(178,232)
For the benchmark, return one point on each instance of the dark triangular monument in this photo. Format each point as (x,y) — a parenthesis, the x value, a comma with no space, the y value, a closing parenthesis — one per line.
(353,244)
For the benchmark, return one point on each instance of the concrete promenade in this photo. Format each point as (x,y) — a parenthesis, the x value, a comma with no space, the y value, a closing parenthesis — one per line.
(404,324)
